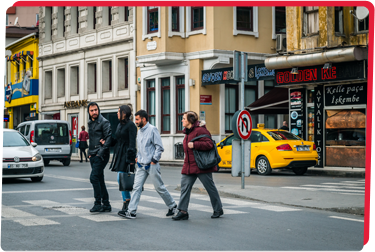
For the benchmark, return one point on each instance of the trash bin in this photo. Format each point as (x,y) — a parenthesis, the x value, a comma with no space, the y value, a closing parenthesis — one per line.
(179,151)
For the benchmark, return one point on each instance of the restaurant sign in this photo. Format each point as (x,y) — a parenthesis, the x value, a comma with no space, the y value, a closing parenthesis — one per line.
(346,94)
(225,75)
(354,70)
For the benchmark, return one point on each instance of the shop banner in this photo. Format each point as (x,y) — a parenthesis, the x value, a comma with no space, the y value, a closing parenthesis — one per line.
(225,75)
(351,94)
(297,116)
(318,123)
(3,82)
(354,70)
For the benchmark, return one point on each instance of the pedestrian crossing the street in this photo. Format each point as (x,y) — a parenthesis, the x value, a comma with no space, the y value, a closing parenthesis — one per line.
(151,205)
(355,187)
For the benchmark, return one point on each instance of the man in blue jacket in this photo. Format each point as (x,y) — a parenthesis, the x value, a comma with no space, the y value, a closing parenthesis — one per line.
(99,128)
(150,148)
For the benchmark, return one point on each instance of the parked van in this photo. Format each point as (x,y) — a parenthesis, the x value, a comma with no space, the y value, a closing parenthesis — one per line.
(53,139)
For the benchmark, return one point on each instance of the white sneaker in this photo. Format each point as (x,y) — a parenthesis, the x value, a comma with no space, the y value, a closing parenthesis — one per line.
(129,215)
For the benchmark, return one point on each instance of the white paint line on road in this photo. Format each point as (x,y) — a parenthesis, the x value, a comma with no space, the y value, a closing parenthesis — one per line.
(338,187)
(346,184)
(86,200)
(27,219)
(360,194)
(102,217)
(42,203)
(159,213)
(343,218)
(359,181)
(277,208)
(320,189)
(54,190)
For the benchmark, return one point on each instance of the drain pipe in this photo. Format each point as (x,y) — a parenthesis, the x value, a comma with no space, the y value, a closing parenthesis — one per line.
(332,56)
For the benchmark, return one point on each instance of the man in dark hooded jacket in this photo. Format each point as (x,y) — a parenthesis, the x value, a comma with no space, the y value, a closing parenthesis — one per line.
(99,128)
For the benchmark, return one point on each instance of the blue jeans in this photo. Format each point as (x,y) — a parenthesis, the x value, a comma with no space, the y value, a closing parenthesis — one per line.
(125,194)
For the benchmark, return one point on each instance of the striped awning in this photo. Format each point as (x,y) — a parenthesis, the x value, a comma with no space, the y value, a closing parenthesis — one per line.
(17,56)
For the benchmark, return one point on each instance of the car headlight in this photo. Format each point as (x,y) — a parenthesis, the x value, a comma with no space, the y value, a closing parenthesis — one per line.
(37,157)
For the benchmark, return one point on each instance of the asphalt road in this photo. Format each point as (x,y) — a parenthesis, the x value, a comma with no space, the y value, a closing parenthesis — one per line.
(53,215)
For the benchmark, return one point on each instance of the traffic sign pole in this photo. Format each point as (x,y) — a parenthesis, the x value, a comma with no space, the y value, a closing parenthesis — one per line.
(243,107)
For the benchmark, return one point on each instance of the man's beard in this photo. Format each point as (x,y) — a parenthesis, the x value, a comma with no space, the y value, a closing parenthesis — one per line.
(140,125)
(95,116)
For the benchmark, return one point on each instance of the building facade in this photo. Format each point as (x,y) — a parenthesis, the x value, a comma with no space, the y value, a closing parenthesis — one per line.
(325,69)
(86,55)
(22,81)
(175,45)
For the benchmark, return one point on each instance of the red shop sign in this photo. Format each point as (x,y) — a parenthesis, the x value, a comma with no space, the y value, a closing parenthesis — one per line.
(206,100)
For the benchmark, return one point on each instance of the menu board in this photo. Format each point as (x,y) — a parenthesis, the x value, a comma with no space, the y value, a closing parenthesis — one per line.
(297,112)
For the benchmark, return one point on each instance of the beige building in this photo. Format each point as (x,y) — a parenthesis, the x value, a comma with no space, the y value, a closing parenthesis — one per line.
(175,44)
(27,16)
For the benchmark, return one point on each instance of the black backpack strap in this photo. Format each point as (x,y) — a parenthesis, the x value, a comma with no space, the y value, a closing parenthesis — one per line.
(199,137)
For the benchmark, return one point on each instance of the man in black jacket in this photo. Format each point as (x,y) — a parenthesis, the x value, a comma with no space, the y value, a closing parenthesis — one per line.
(99,128)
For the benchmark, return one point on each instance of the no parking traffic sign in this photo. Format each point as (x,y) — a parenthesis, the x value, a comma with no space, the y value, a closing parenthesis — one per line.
(244,124)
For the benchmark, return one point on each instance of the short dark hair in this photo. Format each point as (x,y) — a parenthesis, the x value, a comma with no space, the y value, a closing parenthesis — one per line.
(143,114)
(191,116)
(83,128)
(94,104)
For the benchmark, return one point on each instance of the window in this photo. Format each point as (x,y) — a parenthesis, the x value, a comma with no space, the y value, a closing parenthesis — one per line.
(270,120)
(152,19)
(94,17)
(180,101)
(245,18)
(64,18)
(151,101)
(283,135)
(126,16)
(339,28)
(255,137)
(4,20)
(280,20)
(165,106)
(27,129)
(95,85)
(228,141)
(231,105)
(110,75)
(7,20)
(311,20)
(48,85)
(362,25)
(91,78)
(107,75)
(251,92)
(37,18)
(126,73)
(74,80)
(245,21)
(60,82)
(197,18)
(109,15)
(77,15)
(123,77)
(176,19)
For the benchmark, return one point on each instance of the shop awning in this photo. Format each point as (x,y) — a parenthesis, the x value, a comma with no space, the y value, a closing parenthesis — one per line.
(274,102)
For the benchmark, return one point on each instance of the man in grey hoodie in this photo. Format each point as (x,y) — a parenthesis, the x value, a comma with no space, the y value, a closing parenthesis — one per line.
(150,148)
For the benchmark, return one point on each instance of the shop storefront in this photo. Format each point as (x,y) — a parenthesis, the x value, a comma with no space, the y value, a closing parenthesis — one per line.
(22,81)
(327,105)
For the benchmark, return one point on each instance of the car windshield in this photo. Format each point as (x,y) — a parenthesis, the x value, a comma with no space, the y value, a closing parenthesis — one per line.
(51,133)
(14,139)
(283,135)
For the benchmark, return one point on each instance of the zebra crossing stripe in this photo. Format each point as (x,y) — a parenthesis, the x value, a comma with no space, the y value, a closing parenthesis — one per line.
(343,218)
(25,218)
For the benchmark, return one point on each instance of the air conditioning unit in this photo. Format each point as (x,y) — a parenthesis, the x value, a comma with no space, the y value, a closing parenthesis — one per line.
(280,42)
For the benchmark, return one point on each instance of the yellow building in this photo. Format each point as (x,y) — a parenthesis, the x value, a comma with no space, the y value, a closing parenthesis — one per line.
(22,82)
(175,46)
(324,65)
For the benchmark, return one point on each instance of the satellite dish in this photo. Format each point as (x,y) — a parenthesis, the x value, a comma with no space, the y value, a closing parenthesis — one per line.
(361,13)
(15,22)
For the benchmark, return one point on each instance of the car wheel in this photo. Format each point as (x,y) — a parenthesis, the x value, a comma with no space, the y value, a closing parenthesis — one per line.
(36,179)
(66,162)
(299,170)
(263,166)
(46,162)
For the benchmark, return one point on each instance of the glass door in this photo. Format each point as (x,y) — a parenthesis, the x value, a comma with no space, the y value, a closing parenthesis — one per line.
(73,120)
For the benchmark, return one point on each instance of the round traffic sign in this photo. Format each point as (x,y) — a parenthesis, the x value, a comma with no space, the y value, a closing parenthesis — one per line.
(244,124)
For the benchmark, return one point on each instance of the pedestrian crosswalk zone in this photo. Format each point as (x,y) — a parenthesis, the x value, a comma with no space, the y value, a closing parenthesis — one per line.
(79,207)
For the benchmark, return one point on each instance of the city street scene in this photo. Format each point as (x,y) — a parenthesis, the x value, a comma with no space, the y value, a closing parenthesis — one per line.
(181,128)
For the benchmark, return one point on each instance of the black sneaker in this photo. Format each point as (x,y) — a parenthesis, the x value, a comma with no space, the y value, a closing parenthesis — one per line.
(181,216)
(129,215)
(172,211)
(217,214)
(96,209)
(106,208)
(124,209)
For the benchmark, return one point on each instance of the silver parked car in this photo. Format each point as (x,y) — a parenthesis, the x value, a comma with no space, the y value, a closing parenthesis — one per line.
(20,158)
(53,139)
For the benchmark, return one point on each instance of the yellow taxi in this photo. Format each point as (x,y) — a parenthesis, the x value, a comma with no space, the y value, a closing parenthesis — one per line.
(272,149)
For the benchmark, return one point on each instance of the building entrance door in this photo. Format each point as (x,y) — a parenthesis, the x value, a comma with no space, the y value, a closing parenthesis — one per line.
(73,121)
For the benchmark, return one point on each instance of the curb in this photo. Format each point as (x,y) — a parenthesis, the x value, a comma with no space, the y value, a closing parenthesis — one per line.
(347,210)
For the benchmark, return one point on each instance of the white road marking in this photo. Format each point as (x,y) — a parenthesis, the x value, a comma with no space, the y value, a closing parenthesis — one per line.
(360,194)
(340,187)
(343,218)
(276,208)
(346,184)
(55,190)
(25,218)
(102,217)
(320,189)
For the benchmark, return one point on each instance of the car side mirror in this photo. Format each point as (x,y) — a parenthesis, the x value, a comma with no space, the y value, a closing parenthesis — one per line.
(34,144)
(221,144)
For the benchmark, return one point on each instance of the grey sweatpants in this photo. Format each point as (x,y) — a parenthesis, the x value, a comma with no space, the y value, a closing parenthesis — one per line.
(187,182)
(140,178)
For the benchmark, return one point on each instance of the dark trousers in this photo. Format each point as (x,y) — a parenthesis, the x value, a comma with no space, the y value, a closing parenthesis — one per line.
(97,179)
(187,182)
(84,152)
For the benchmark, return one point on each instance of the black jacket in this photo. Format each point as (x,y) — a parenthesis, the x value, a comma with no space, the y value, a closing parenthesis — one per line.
(284,128)
(99,129)
(125,151)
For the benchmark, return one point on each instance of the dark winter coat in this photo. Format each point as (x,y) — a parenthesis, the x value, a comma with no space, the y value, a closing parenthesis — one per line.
(124,151)
(99,129)
(204,144)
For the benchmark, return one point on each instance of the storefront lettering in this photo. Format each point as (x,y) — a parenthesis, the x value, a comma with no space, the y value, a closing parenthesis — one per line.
(318,111)
(342,100)
(212,77)
(305,75)
(75,104)
(329,74)
(263,71)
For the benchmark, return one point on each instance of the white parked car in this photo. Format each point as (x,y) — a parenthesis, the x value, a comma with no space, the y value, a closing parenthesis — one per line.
(20,158)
